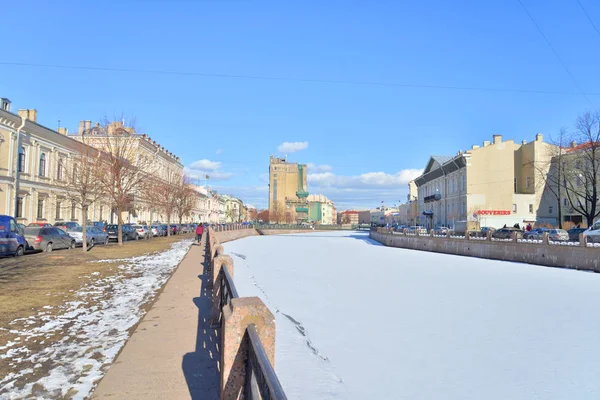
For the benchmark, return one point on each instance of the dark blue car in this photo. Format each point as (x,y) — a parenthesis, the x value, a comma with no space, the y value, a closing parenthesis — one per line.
(12,241)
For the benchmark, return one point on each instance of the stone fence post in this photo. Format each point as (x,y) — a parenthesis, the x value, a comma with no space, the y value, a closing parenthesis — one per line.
(237,316)
(467,235)
(582,240)
(545,238)
(488,236)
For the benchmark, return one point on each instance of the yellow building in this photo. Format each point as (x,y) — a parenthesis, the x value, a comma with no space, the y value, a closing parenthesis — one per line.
(32,170)
(287,191)
(495,185)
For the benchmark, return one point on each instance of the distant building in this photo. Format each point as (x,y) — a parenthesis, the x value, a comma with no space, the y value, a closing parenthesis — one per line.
(287,191)
(321,210)
(347,217)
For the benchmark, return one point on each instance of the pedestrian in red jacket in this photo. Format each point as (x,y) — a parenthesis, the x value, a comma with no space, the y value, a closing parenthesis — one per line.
(199,232)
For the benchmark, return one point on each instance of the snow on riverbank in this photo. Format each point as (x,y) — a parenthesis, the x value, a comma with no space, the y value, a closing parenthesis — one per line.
(357,320)
(90,330)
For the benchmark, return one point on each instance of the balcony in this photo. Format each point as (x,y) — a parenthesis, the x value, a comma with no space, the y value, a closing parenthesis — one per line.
(433,197)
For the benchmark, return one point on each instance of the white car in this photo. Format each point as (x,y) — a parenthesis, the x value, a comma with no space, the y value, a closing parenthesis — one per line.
(142,231)
(414,229)
(593,233)
(94,236)
(154,230)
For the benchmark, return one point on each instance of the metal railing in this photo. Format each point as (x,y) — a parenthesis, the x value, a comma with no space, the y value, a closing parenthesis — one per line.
(261,380)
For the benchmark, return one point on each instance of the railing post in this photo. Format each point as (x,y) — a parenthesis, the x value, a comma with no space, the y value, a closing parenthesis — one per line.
(467,235)
(488,236)
(448,234)
(236,318)
(218,263)
(545,238)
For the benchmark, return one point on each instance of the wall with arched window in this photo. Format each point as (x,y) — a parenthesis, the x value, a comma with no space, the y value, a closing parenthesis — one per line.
(42,166)
(21,165)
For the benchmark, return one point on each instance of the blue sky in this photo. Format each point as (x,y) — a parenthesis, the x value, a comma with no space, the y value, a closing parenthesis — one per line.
(313,60)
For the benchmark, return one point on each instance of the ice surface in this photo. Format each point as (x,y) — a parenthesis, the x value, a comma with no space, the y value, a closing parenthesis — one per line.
(357,320)
(89,336)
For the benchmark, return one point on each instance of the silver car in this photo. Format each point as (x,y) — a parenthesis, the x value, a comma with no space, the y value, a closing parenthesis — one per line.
(48,239)
(94,235)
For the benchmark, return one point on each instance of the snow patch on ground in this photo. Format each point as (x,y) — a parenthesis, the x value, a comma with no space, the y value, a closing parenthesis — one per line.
(90,331)
(402,324)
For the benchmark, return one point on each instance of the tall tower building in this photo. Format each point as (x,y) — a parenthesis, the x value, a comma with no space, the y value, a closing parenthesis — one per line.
(287,191)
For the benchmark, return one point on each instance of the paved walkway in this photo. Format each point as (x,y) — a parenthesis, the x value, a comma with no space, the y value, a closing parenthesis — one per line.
(172,354)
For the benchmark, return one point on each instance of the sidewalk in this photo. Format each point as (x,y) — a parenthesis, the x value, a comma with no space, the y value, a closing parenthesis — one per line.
(172,354)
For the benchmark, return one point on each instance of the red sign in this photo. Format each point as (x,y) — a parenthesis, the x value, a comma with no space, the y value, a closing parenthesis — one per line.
(494,212)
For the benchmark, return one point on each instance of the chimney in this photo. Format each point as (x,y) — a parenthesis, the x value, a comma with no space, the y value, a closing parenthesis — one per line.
(539,137)
(5,104)
(573,144)
(23,113)
(33,115)
(88,125)
(524,142)
(81,127)
(63,131)
(497,139)
(486,143)
(474,147)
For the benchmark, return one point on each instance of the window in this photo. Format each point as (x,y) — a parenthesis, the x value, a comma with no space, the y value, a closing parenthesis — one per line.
(40,209)
(578,183)
(101,213)
(59,170)
(464,183)
(515,185)
(57,210)
(72,210)
(19,207)
(42,171)
(531,209)
(528,182)
(565,201)
(514,208)
(550,210)
(22,159)
(75,172)
(577,164)
(14,228)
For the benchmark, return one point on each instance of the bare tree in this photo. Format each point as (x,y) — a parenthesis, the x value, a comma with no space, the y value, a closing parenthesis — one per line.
(163,194)
(77,178)
(184,198)
(346,219)
(550,171)
(125,171)
(263,216)
(581,170)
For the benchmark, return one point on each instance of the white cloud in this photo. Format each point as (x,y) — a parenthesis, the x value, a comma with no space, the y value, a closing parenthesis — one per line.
(205,165)
(199,169)
(366,180)
(318,168)
(292,147)
(219,151)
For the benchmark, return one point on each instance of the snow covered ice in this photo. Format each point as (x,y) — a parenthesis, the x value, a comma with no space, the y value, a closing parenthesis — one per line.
(91,330)
(357,320)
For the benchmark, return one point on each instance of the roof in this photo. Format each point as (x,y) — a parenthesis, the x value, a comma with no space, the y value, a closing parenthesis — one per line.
(440,160)
(583,146)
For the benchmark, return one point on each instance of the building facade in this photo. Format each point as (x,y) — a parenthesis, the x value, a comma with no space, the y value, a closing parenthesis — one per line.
(495,185)
(287,190)
(321,210)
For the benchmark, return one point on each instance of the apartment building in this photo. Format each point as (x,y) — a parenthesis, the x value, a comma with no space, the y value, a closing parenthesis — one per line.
(321,210)
(287,190)
(495,184)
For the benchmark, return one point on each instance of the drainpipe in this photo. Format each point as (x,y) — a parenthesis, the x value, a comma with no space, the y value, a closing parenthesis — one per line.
(16,164)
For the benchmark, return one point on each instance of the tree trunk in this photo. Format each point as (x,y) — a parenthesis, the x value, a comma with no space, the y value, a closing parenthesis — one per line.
(84,214)
(119,227)
(168,224)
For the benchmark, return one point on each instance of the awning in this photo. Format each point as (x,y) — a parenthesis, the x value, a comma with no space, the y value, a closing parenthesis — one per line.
(530,219)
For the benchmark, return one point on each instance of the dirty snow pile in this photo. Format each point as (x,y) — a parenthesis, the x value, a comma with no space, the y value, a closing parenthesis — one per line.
(90,330)
(357,320)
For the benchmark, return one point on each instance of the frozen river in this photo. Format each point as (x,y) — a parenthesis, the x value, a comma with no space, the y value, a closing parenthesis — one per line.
(388,323)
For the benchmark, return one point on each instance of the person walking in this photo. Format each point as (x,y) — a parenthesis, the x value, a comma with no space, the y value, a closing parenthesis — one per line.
(199,232)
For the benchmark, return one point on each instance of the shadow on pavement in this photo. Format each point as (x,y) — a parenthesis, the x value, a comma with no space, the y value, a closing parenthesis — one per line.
(201,368)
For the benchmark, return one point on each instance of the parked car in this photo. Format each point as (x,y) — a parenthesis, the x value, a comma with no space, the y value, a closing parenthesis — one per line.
(441,230)
(162,229)
(100,225)
(175,229)
(155,230)
(574,233)
(13,241)
(414,229)
(558,235)
(128,232)
(504,233)
(42,224)
(484,231)
(94,236)
(142,231)
(593,233)
(536,233)
(48,238)
(65,226)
